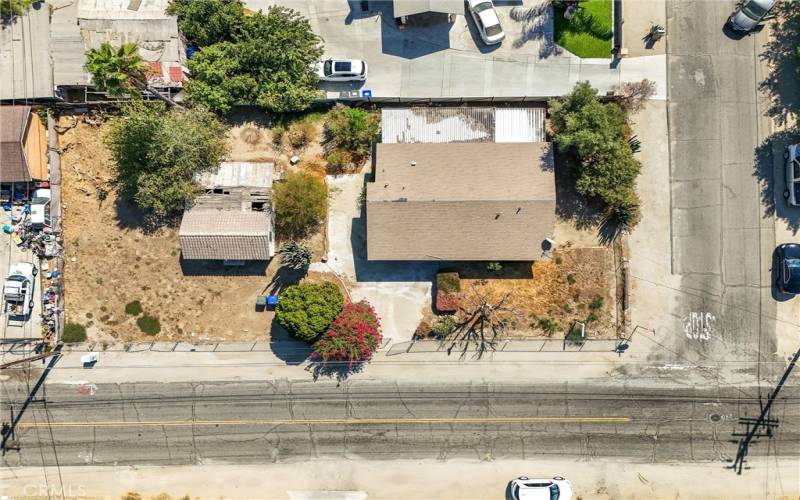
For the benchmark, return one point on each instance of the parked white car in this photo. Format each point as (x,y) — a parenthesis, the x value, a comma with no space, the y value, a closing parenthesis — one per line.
(18,289)
(749,14)
(486,20)
(557,488)
(792,156)
(342,70)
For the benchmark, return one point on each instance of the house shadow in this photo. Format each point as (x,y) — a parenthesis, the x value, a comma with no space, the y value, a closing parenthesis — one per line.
(218,268)
(377,271)
(770,171)
(421,35)
(517,270)
(363,9)
(287,348)
(129,216)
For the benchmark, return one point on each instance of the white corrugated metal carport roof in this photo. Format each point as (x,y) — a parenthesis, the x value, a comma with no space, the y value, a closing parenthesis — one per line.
(464,124)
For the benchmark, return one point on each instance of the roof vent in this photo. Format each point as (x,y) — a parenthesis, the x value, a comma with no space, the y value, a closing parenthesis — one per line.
(413,163)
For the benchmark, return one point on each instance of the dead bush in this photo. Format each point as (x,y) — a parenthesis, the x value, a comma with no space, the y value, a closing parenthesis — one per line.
(300,134)
(251,135)
(631,96)
(339,161)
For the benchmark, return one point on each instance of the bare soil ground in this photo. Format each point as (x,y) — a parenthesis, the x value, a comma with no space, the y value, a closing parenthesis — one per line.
(576,284)
(112,260)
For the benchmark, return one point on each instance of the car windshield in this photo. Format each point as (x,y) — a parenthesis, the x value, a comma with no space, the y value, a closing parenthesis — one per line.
(493,30)
(754,11)
(554,492)
(482,6)
(326,68)
(17,277)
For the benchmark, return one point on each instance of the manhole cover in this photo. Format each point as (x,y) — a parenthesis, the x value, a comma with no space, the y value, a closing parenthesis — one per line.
(714,417)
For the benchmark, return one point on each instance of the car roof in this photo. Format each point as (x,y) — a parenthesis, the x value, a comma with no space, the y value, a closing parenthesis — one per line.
(489,17)
(541,492)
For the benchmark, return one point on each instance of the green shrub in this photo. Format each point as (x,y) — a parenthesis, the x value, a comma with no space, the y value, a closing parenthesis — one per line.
(339,160)
(548,325)
(592,317)
(301,202)
(494,266)
(305,311)
(149,325)
(574,335)
(352,129)
(300,134)
(295,256)
(278,131)
(133,308)
(443,325)
(73,332)
(596,303)
(448,282)
(571,279)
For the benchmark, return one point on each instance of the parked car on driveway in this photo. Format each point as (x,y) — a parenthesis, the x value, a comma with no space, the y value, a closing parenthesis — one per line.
(342,70)
(486,20)
(788,268)
(749,14)
(792,157)
(557,488)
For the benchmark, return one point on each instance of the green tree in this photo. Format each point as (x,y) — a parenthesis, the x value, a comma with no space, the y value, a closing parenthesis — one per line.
(270,63)
(117,71)
(594,136)
(158,152)
(352,129)
(206,22)
(11,8)
(305,311)
(301,202)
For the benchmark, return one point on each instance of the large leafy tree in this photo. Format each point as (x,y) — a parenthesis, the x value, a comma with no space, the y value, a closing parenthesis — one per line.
(158,152)
(265,59)
(306,310)
(594,136)
(10,8)
(301,202)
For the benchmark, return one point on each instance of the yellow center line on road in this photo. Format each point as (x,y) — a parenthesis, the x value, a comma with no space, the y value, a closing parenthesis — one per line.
(344,421)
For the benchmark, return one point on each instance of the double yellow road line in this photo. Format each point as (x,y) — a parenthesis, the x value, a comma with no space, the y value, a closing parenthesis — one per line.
(335,421)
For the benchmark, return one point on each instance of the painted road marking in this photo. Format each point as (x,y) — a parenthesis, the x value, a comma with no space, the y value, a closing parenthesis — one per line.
(699,325)
(348,421)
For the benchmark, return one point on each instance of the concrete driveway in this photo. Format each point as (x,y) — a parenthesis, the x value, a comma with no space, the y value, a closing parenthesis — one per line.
(432,58)
(398,290)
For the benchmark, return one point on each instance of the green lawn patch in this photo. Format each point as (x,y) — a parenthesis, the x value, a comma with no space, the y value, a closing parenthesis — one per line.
(73,332)
(589,32)
(149,325)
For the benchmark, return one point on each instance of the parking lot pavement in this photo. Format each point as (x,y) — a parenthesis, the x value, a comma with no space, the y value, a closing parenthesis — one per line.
(441,60)
(17,328)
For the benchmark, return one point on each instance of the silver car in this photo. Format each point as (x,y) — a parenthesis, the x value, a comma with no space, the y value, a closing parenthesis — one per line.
(486,21)
(792,156)
(749,14)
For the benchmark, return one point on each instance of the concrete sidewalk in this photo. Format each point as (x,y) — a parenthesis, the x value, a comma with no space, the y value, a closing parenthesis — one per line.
(591,479)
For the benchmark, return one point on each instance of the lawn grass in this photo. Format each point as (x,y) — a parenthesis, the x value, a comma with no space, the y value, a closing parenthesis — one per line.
(589,33)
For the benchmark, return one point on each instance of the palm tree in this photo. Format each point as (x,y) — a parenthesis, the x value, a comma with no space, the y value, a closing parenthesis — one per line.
(120,71)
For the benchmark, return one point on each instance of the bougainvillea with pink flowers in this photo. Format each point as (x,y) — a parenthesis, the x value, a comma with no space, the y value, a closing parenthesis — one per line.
(353,336)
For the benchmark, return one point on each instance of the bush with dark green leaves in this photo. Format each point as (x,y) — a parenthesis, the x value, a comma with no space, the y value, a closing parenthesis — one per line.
(301,202)
(149,325)
(265,59)
(295,256)
(352,129)
(133,308)
(594,136)
(158,152)
(448,282)
(73,332)
(306,310)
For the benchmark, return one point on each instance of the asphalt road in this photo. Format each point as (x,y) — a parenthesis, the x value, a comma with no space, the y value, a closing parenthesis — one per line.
(722,241)
(250,422)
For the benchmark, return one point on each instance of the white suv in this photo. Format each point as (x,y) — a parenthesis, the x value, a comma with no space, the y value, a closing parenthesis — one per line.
(342,70)
(557,488)
(792,156)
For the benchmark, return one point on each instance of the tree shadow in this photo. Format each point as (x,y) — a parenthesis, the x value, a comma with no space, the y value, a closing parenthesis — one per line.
(782,54)
(538,27)
(287,348)
(770,172)
(129,216)
(283,279)
(340,370)
(571,205)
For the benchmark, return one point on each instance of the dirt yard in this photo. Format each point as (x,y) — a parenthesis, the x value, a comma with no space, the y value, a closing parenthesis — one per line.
(111,260)
(576,284)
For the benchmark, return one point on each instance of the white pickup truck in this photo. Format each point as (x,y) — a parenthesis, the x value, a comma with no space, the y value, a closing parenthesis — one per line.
(18,290)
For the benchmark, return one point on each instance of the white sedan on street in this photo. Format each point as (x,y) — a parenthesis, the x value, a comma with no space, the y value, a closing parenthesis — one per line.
(486,20)
(342,70)
(557,488)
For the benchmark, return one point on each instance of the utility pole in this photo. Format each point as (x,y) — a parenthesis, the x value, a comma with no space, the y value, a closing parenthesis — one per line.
(8,429)
(762,420)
